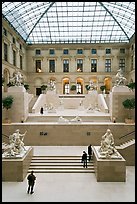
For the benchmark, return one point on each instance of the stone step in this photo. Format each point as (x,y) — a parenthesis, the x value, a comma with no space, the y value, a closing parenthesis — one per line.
(59,164)
(84,170)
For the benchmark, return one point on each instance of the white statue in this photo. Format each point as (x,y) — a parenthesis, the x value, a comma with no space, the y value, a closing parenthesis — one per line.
(51,85)
(120,79)
(16,144)
(107,144)
(62,119)
(91,85)
(17,79)
(76,119)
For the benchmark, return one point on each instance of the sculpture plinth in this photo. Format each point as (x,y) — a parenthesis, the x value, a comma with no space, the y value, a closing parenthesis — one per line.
(111,169)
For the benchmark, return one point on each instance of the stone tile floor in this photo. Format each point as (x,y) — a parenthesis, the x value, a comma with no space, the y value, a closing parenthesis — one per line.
(70,187)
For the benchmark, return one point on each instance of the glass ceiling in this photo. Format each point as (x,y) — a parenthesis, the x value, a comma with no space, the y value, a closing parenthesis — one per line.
(71,22)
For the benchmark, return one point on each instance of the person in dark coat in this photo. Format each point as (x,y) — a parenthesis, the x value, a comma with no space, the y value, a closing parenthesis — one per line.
(84,159)
(89,152)
(31,181)
(41,110)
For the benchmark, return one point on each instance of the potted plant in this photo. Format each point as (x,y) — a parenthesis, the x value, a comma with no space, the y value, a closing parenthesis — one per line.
(87,87)
(26,86)
(129,104)
(73,87)
(102,88)
(7,104)
(131,85)
(43,88)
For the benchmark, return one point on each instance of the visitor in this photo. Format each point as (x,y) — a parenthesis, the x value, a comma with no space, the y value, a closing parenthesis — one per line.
(31,181)
(84,159)
(41,110)
(89,152)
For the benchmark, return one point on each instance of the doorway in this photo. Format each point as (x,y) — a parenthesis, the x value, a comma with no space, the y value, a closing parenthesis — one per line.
(38,91)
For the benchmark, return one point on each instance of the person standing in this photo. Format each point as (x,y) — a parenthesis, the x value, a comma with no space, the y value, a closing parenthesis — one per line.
(31,181)
(89,152)
(84,159)
(41,110)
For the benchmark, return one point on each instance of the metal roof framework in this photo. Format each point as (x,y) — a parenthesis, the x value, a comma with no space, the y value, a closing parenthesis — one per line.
(71,22)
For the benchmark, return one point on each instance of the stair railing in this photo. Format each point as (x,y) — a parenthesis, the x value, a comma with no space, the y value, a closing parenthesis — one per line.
(130,133)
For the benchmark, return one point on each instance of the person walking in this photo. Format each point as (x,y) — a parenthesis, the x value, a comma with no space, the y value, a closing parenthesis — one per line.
(31,181)
(89,152)
(84,159)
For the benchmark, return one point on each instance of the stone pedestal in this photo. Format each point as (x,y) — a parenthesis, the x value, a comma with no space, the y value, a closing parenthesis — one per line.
(16,168)
(111,170)
(117,96)
(16,89)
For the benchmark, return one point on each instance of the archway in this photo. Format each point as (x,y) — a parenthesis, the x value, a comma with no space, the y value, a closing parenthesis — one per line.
(79,88)
(66,87)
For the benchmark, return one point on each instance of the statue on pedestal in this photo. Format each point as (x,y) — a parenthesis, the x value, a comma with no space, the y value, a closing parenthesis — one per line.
(107,144)
(16,144)
(17,79)
(120,79)
(51,85)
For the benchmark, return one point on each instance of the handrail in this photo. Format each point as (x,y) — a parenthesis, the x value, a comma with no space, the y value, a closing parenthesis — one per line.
(127,134)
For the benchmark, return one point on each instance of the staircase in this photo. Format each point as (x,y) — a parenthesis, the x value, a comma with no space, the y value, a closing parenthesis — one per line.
(126,144)
(59,164)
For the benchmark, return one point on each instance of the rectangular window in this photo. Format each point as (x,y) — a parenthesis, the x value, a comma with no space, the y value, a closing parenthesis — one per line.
(13,40)
(122,64)
(65,51)
(93,51)
(108,51)
(65,65)
(80,65)
(108,65)
(93,65)
(20,62)
(122,50)
(37,52)
(51,51)
(4,31)
(38,65)
(79,51)
(20,47)
(51,65)
(14,57)
(5,52)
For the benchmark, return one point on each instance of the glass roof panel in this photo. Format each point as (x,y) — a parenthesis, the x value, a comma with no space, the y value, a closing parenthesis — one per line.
(80,22)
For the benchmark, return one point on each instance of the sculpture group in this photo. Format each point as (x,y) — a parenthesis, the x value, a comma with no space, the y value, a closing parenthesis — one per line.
(16,144)
(107,144)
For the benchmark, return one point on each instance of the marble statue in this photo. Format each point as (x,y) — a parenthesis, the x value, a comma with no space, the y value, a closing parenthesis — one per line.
(76,119)
(16,144)
(17,79)
(107,144)
(120,79)
(51,108)
(51,85)
(62,119)
(91,85)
